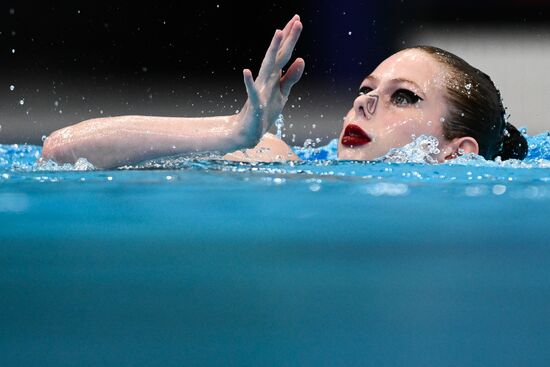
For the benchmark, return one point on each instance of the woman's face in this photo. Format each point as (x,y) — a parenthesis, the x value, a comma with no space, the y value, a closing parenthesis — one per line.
(402,99)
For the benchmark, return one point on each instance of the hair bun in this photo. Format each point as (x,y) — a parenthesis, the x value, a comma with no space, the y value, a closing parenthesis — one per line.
(514,144)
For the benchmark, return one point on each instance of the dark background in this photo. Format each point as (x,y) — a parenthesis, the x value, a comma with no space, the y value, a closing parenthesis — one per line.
(68,61)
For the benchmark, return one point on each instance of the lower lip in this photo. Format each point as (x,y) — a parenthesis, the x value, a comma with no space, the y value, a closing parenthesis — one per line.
(354,141)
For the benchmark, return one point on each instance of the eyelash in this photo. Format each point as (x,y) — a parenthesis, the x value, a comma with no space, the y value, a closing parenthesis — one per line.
(411,97)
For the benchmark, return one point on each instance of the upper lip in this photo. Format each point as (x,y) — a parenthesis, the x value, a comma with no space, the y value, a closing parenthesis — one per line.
(353,130)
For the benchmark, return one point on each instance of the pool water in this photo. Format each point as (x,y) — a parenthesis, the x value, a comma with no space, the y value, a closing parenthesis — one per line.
(193,262)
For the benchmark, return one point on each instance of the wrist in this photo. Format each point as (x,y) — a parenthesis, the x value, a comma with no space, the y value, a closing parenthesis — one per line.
(246,133)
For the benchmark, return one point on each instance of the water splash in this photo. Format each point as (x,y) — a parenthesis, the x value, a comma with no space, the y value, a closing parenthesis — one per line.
(17,157)
(420,150)
(81,164)
(538,155)
(539,146)
(190,160)
(280,124)
(309,153)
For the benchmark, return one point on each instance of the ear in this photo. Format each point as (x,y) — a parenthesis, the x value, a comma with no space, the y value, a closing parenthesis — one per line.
(460,146)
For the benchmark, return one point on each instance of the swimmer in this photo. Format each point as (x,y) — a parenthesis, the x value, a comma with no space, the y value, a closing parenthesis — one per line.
(417,91)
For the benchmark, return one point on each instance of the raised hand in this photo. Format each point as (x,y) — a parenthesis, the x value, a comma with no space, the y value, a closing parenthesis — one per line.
(268,94)
(122,140)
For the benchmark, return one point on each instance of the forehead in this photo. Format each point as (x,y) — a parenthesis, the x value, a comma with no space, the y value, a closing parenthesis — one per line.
(414,65)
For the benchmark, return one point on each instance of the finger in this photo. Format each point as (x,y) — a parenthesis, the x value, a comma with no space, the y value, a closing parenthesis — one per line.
(292,76)
(288,45)
(286,31)
(288,26)
(251,91)
(268,62)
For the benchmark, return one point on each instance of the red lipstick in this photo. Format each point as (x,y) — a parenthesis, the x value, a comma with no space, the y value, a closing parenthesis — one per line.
(355,136)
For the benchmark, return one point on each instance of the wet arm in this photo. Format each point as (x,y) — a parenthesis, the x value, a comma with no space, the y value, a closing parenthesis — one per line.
(116,141)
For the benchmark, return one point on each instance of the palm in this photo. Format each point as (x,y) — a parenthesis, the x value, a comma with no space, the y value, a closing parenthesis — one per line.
(267,95)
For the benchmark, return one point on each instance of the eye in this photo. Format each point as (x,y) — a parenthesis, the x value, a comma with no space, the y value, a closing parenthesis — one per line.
(404,97)
(365,90)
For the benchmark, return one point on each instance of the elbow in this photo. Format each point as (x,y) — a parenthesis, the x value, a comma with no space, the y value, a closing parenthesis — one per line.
(49,150)
(57,148)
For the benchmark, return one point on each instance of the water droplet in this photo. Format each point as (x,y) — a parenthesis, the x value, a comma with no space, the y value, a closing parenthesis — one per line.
(12,87)
(44,138)
(349,33)
(468,86)
(315,187)
(13,50)
(279,123)
(442,119)
(474,191)
(22,102)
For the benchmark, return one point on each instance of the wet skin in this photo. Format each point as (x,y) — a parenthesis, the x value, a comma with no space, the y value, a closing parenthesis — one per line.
(403,98)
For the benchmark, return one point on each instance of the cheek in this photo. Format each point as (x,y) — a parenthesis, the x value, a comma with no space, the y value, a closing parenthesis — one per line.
(403,125)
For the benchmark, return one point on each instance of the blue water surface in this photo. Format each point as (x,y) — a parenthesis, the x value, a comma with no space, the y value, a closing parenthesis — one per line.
(189,262)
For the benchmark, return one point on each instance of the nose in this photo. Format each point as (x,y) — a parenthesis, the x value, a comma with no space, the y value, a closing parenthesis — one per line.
(365,105)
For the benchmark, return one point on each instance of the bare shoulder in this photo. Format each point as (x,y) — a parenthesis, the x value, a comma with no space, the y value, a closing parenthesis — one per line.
(269,149)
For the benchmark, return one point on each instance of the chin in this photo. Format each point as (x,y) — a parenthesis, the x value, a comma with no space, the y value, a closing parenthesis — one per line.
(351,154)
(365,153)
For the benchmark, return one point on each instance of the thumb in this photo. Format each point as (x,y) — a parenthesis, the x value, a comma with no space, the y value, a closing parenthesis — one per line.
(251,90)
(292,76)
